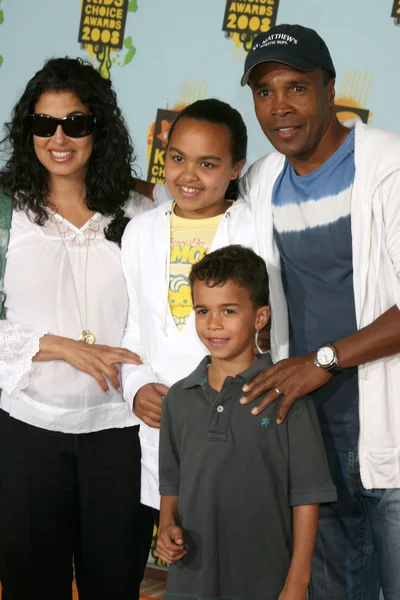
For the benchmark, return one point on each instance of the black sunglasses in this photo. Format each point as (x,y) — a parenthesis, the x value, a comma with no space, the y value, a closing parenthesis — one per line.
(76,126)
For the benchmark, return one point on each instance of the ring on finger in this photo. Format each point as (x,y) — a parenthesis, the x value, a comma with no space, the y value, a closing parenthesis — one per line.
(278,391)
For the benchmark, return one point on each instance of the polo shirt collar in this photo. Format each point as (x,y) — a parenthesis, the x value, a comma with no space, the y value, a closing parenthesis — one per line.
(199,375)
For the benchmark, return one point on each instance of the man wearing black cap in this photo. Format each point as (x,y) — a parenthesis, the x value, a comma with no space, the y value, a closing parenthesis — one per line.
(327,210)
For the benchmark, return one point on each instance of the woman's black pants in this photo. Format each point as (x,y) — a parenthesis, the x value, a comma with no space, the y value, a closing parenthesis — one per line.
(71,502)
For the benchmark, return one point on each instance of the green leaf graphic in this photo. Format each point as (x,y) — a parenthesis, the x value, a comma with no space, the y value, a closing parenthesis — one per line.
(132,6)
(131,50)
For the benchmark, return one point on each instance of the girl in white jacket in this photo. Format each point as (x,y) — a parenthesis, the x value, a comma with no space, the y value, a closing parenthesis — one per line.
(206,152)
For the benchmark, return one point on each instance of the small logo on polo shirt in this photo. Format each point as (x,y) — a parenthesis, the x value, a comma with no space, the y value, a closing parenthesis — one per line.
(265,422)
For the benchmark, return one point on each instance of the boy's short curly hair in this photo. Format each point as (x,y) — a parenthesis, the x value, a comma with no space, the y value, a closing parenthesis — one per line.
(234,263)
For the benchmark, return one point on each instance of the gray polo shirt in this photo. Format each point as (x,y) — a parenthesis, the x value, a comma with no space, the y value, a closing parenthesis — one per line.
(237,477)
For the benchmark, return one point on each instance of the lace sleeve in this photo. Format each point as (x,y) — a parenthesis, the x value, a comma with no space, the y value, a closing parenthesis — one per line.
(18,345)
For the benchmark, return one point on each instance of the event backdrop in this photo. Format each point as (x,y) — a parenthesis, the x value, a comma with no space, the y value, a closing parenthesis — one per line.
(163,54)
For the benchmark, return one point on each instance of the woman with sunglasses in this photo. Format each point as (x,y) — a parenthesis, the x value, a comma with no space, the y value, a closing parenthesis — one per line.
(69,448)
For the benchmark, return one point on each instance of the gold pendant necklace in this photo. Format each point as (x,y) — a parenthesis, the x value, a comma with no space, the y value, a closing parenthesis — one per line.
(87,337)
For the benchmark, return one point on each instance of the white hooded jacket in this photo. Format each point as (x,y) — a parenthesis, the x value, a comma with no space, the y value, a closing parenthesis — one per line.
(375,226)
(168,354)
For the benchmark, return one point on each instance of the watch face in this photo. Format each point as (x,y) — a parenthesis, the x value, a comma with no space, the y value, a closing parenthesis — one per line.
(325,356)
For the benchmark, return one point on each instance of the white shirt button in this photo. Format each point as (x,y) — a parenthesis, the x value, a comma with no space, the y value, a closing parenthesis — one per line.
(220,409)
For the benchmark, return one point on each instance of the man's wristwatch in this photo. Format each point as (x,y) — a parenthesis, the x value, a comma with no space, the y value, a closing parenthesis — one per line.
(326,358)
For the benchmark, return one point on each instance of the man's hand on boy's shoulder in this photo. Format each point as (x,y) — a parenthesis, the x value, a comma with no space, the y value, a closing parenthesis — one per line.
(170,544)
(147,403)
(291,378)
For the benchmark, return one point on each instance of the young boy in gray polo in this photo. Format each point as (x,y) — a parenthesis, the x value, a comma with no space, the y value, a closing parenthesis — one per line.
(240,493)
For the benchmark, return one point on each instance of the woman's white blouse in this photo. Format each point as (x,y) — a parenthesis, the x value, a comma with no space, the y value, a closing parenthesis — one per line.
(40,299)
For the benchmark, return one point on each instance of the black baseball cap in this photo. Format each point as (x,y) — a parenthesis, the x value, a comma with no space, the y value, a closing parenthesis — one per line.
(293,45)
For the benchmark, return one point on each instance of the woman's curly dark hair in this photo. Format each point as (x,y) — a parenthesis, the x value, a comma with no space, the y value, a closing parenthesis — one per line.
(109,173)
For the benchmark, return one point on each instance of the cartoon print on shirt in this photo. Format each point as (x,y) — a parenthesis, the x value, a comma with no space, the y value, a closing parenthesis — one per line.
(185,252)
(180,299)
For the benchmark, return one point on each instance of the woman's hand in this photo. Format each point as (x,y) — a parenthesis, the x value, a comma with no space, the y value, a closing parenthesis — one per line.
(96,360)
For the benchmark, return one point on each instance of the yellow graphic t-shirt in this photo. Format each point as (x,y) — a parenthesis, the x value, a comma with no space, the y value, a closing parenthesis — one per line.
(191,239)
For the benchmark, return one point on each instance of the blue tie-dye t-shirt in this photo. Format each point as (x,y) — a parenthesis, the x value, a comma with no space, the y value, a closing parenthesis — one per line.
(312,228)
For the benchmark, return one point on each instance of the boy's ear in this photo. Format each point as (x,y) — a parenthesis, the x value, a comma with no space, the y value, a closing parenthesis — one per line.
(237,169)
(262,317)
